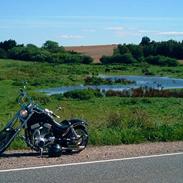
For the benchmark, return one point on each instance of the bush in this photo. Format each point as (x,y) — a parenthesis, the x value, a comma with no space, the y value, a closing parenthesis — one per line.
(83,94)
(3,53)
(95,80)
(126,58)
(86,59)
(161,61)
(58,96)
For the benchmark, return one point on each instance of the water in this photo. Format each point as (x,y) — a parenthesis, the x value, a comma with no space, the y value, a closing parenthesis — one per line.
(155,82)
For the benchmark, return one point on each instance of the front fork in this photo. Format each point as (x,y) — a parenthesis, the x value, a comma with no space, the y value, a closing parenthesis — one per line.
(11,125)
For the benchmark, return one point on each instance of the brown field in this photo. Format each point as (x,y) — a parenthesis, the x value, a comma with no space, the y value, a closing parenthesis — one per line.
(181,61)
(96,52)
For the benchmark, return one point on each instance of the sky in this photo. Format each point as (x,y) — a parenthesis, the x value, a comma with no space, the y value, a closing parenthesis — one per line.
(96,22)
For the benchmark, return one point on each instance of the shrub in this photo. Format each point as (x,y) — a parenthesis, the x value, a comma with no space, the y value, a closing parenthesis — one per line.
(105,59)
(58,96)
(3,53)
(161,61)
(86,59)
(83,94)
(126,58)
(94,80)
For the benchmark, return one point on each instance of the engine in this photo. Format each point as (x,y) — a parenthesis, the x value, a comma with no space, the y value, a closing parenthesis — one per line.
(41,135)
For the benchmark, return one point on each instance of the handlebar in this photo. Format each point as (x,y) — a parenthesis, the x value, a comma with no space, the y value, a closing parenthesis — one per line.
(24,98)
(52,113)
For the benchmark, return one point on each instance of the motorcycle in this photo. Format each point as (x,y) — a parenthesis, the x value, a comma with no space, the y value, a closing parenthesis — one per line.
(42,131)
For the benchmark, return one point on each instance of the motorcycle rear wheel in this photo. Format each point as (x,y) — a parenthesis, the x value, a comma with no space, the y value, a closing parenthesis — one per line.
(82,140)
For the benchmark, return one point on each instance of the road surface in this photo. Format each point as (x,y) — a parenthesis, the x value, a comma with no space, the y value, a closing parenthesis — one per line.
(156,169)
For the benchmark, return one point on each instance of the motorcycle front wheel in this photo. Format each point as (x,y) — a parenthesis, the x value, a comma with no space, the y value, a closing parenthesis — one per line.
(5,139)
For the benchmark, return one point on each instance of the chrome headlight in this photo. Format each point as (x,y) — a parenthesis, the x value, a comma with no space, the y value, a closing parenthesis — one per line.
(23,113)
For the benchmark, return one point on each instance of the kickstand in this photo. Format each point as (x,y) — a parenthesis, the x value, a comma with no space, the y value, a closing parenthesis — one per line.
(41,152)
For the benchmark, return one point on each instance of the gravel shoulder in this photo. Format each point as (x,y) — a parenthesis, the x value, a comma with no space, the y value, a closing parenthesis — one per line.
(26,158)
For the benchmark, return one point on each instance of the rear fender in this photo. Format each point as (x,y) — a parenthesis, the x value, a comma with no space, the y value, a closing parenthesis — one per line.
(77,122)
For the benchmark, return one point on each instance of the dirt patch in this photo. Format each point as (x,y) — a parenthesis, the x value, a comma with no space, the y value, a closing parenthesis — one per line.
(21,159)
(96,52)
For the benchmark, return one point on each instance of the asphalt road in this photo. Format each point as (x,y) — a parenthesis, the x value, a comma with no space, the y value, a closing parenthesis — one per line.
(160,169)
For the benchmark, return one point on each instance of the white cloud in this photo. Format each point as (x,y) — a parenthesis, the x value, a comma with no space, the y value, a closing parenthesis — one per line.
(147,31)
(117,28)
(162,33)
(126,33)
(67,36)
(174,33)
(120,33)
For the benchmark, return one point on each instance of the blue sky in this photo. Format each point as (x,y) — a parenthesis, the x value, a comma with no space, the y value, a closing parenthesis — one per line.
(82,22)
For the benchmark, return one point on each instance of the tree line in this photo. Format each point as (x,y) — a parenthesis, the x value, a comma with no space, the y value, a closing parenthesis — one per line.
(165,53)
(50,52)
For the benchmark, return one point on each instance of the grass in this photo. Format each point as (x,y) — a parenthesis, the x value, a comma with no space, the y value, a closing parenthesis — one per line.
(112,120)
(127,120)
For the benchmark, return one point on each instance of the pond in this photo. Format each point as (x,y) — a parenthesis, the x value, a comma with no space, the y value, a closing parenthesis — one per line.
(155,82)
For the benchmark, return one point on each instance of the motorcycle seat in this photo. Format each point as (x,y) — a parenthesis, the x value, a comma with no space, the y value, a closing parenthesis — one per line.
(62,127)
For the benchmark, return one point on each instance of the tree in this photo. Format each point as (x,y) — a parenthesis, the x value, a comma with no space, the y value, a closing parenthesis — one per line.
(145,41)
(52,46)
(31,46)
(136,51)
(121,49)
(6,45)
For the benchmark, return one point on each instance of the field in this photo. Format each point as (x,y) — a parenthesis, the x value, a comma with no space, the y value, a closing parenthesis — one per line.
(96,52)
(117,119)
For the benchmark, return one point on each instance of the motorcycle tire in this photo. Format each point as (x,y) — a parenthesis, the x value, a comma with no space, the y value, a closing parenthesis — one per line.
(82,142)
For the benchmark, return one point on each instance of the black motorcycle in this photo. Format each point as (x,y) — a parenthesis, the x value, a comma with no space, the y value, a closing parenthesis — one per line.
(42,132)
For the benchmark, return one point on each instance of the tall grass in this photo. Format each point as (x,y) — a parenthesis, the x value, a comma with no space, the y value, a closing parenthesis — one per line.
(136,129)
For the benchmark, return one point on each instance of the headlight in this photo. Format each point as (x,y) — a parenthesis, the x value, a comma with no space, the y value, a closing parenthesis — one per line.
(23,113)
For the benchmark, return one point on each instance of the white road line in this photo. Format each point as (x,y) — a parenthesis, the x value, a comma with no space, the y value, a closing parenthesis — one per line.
(91,162)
